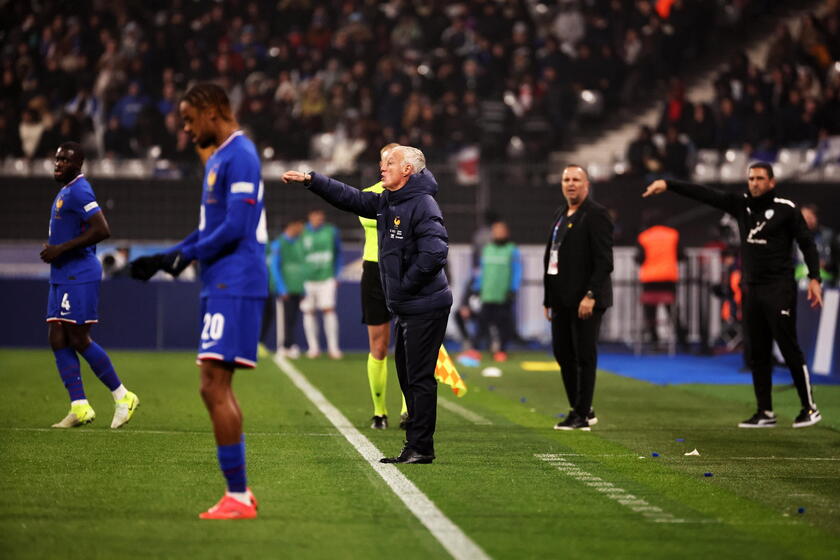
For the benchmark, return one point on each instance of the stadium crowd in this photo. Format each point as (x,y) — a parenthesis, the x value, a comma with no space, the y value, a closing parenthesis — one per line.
(432,74)
(791,101)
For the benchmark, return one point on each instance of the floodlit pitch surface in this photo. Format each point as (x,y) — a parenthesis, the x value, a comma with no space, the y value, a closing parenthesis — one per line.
(512,485)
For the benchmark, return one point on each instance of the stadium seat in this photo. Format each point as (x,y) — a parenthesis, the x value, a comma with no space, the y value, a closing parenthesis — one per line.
(16,167)
(103,168)
(705,173)
(708,157)
(831,172)
(793,158)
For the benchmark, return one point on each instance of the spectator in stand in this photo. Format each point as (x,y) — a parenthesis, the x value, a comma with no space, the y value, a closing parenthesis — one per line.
(128,108)
(85,107)
(569,26)
(676,108)
(66,129)
(9,139)
(701,127)
(730,127)
(675,158)
(117,142)
(304,51)
(643,154)
(761,126)
(31,129)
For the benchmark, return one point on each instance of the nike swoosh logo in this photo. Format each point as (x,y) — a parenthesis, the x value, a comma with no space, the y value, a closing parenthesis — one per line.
(206,345)
(63,313)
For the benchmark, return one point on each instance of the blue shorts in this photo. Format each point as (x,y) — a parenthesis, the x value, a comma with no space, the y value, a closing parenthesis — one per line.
(74,303)
(230,330)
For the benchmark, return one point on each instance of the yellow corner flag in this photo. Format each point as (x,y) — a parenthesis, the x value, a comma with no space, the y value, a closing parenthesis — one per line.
(445,372)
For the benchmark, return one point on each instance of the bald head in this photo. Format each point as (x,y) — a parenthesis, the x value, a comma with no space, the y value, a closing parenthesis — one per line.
(575,185)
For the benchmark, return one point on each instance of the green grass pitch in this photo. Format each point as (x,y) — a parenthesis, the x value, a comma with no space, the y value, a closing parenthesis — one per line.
(96,493)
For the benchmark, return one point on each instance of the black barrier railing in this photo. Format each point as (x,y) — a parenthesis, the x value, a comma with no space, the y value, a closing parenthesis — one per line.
(522,195)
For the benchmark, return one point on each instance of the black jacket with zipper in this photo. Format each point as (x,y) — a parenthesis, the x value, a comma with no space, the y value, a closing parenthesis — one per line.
(585,258)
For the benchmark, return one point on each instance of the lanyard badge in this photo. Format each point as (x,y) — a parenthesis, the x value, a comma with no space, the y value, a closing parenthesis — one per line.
(564,224)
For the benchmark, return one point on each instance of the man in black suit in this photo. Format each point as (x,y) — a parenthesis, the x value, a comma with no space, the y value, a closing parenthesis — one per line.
(577,266)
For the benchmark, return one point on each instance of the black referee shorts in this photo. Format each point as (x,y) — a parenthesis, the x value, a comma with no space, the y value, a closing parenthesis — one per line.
(374,309)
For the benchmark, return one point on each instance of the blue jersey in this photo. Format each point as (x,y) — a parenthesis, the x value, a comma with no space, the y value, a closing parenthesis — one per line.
(230,241)
(72,208)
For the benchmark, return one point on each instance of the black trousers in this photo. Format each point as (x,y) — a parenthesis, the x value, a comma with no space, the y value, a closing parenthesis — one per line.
(267,318)
(770,314)
(291,315)
(498,316)
(574,342)
(418,342)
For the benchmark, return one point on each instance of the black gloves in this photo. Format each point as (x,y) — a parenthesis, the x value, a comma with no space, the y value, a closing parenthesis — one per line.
(175,263)
(144,268)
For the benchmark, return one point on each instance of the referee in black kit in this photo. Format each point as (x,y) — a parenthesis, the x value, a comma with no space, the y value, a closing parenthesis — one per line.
(768,226)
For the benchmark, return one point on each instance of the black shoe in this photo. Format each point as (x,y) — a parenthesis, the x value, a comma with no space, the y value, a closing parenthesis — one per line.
(591,417)
(573,422)
(409,456)
(761,419)
(807,417)
(379,422)
(403,420)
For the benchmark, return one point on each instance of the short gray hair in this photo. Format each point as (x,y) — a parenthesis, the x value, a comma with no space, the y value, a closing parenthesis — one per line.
(413,157)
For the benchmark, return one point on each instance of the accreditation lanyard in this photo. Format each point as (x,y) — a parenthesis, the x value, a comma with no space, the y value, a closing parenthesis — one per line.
(561,228)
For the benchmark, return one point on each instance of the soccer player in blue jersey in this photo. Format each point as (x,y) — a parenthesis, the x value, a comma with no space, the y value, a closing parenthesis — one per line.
(77,224)
(229,245)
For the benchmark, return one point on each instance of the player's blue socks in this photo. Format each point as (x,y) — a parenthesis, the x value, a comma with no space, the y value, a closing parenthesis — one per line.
(101,365)
(68,366)
(232,463)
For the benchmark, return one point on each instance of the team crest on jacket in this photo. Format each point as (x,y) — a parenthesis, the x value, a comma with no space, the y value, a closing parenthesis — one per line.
(769,213)
(59,204)
(395,232)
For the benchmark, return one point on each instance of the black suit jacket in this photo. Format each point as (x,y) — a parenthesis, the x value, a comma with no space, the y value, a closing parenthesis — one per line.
(585,258)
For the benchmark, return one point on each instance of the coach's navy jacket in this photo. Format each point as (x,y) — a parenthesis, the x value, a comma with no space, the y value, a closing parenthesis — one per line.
(413,243)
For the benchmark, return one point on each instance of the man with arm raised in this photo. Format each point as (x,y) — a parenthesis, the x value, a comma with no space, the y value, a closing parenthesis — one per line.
(413,247)
(768,225)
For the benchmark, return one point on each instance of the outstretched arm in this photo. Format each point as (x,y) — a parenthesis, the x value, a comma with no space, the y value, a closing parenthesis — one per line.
(343,197)
(719,199)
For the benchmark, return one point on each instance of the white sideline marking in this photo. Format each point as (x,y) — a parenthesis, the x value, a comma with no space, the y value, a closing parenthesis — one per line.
(707,458)
(464,412)
(459,545)
(638,505)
